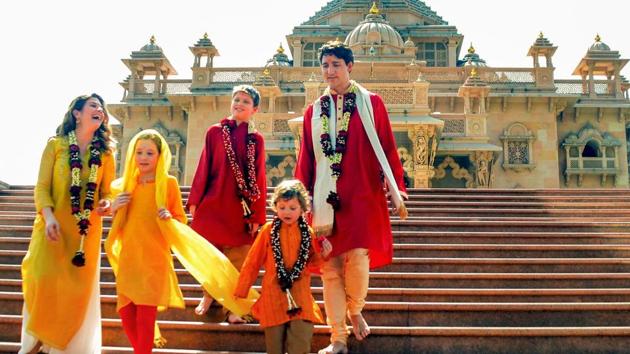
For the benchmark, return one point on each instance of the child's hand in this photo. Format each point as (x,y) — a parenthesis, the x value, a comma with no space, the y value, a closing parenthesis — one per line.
(326,246)
(121,200)
(104,207)
(164,214)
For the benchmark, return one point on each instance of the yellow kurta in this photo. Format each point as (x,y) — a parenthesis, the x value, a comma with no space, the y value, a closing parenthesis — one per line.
(203,261)
(145,274)
(56,293)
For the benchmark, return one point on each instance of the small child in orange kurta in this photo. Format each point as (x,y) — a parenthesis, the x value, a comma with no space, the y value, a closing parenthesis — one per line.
(286,247)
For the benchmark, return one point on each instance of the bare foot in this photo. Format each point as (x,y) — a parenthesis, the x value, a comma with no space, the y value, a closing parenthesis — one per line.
(235,319)
(204,305)
(334,348)
(360,328)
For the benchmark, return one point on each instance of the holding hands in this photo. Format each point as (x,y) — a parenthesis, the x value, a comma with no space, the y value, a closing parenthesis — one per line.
(326,246)
(104,207)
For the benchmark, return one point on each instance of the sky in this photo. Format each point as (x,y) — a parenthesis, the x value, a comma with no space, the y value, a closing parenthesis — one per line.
(53,51)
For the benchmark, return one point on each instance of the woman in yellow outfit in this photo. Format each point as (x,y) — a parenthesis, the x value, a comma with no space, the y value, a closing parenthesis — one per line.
(60,272)
(149,223)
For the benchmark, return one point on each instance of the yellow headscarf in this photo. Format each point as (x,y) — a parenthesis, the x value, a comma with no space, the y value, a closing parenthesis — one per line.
(203,261)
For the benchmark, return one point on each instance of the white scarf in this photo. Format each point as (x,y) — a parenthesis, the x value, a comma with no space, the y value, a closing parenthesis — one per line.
(323,213)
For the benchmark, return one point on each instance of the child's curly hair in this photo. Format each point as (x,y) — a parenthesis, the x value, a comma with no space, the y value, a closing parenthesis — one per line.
(289,189)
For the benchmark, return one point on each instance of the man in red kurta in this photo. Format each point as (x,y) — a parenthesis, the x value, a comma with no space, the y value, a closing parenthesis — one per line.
(215,199)
(361,232)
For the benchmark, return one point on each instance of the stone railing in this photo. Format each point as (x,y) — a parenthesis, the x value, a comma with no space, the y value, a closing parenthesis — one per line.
(576,87)
(149,88)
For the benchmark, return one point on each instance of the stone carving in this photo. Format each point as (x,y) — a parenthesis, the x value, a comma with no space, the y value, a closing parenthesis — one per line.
(456,171)
(285,169)
(483,161)
(518,150)
(454,127)
(395,95)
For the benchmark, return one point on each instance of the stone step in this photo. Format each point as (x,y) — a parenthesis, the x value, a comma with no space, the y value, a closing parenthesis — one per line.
(388,294)
(27,220)
(26,196)
(478,257)
(420,313)
(17,237)
(14,347)
(455,212)
(508,225)
(588,204)
(454,191)
(397,340)
(435,279)
(511,237)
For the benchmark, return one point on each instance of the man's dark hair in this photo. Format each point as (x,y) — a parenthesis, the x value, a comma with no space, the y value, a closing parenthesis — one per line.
(338,49)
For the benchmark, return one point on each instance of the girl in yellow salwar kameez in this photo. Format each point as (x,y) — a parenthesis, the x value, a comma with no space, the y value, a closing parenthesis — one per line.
(61,311)
(149,222)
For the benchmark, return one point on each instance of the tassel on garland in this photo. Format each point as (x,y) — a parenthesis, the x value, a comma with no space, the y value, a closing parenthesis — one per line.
(294,308)
(402,211)
(79,257)
(247,213)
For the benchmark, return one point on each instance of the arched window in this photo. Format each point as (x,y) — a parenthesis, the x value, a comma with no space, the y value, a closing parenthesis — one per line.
(591,149)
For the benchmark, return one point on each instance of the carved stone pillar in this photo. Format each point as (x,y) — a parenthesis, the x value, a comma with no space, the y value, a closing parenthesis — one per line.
(425,138)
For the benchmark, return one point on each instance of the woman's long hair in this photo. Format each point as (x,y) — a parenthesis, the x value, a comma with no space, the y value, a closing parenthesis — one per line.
(103,133)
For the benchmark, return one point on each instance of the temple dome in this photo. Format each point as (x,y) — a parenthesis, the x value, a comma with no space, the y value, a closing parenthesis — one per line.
(599,45)
(375,31)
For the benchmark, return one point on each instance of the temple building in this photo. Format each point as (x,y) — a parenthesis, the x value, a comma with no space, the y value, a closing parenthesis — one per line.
(459,122)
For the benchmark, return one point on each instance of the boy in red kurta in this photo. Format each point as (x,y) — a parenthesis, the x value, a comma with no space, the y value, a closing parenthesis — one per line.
(352,205)
(228,193)
(286,247)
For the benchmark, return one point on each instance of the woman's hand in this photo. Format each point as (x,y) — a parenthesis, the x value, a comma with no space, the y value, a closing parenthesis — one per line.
(326,247)
(53,230)
(192,210)
(121,200)
(164,214)
(104,207)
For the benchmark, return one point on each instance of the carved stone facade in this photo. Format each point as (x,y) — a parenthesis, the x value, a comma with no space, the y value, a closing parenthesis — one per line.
(453,113)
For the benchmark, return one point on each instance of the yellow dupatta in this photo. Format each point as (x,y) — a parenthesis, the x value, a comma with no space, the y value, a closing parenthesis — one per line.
(211,268)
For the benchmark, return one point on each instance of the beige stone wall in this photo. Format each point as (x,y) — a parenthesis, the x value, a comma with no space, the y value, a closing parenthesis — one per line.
(608,123)
(207,111)
(137,118)
(542,123)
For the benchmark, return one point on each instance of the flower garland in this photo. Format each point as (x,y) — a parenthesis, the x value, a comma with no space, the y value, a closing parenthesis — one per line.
(335,155)
(248,189)
(82,216)
(287,277)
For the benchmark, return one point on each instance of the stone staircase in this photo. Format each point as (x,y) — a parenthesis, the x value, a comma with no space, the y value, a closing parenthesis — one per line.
(475,271)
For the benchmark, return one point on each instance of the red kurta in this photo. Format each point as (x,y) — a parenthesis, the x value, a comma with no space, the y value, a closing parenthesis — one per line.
(363,218)
(219,214)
